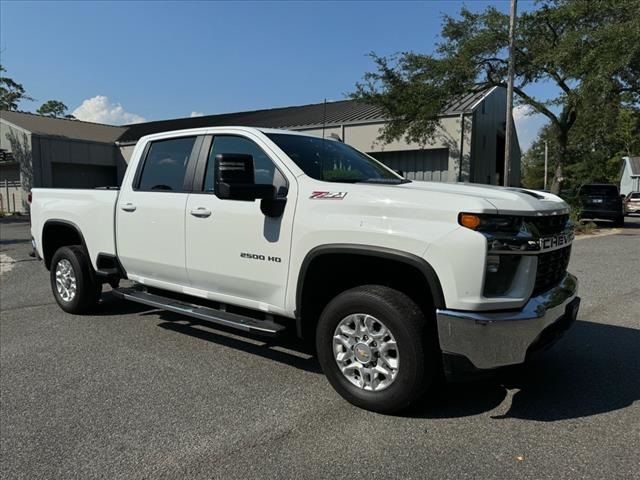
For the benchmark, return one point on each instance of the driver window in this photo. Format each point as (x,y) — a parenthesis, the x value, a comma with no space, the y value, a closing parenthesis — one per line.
(265,171)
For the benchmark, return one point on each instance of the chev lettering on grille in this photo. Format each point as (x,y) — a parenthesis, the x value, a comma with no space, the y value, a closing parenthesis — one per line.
(561,240)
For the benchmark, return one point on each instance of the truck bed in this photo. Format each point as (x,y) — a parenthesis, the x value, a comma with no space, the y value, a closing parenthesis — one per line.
(92,212)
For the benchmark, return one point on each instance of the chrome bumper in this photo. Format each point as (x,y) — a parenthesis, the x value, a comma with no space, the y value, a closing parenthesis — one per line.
(495,339)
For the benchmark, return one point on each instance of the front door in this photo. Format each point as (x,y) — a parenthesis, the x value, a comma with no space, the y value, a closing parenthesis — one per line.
(236,254)
(150,216)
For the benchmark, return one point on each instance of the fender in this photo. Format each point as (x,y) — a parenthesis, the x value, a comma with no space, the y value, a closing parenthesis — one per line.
(373,251)
(64,223)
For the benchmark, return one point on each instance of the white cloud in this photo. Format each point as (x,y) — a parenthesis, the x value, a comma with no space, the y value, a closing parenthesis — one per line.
(101,110)
(528,123)
(196,114)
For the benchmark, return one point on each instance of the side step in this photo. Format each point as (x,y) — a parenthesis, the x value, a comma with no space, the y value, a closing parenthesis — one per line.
(219,317)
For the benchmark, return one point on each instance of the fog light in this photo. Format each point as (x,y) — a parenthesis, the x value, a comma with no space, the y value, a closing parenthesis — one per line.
(500,273)
(493,263)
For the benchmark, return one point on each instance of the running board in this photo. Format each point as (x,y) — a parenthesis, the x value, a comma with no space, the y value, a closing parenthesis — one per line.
(219,317)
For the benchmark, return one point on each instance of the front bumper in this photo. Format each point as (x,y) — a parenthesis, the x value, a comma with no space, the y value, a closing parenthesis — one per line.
(604,214)
(487,340)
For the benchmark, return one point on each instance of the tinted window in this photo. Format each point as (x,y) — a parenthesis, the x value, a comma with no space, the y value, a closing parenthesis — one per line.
(165,165)
(599,190)
(265,171)
(332,161)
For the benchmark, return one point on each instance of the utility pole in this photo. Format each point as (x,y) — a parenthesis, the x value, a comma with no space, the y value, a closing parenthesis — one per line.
(509,123)
(546,162)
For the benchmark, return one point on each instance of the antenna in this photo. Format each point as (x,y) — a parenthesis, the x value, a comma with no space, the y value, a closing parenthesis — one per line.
(324,145)
(324,117)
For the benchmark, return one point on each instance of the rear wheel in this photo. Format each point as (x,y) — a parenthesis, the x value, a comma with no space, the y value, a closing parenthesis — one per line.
(619,222)
(73,281)
(373,346)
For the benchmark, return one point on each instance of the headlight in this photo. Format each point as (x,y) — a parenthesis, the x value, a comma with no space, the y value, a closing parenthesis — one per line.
(490,223)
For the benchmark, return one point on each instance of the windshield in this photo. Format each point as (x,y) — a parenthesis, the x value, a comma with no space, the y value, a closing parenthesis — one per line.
(332,161)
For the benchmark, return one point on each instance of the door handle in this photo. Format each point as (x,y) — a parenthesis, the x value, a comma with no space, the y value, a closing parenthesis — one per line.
(128,207)
(201,212)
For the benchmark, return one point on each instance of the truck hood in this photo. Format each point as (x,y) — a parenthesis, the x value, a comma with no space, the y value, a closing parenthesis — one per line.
(506,200)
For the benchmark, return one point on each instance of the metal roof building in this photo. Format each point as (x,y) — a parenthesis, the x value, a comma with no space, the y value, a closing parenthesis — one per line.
(39,151)
(630,175)
(294,118)
(468,145)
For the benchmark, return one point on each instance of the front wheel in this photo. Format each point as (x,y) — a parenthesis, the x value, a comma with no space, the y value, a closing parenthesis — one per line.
(374,347)
(73,282)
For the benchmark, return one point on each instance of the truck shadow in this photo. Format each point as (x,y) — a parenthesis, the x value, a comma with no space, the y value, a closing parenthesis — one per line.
(594,369)
(286,349)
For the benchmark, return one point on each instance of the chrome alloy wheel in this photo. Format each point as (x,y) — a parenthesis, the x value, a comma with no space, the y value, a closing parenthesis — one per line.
(65,280)
(366,352)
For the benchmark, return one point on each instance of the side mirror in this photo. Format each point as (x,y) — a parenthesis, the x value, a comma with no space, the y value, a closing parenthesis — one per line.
(234,178)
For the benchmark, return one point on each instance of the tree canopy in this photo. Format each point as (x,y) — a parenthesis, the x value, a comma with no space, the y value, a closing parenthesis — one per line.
(11,92)
(54,108)
(589,51)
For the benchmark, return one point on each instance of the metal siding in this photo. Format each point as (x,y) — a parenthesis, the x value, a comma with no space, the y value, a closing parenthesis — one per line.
(421,165)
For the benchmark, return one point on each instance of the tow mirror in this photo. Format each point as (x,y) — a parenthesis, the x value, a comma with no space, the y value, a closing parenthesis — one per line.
(234,179)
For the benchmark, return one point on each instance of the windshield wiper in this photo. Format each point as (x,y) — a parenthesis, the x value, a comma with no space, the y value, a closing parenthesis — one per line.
(343,180)
(390,181)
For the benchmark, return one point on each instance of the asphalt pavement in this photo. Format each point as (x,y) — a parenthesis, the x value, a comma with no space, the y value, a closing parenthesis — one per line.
(135,393)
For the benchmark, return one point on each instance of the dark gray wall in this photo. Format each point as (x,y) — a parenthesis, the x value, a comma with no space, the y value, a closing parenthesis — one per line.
(487,133)
(427,165)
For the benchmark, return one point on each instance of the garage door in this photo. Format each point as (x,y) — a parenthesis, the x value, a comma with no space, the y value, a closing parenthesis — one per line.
(428,165)
(73,175)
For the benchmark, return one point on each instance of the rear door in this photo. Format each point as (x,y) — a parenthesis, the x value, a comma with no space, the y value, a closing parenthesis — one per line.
(235,253)
(150,216)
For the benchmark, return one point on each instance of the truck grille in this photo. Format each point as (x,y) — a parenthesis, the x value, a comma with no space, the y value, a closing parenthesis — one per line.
(552,267)
(550,224)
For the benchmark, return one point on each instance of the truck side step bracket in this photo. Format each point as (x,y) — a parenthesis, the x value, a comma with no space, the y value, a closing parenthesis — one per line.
(219,317)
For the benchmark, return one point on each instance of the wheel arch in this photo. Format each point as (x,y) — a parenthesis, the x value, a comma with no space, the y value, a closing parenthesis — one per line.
(348,255)
(59,233)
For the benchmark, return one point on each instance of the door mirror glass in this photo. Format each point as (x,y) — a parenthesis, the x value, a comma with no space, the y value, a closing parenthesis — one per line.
(234,178)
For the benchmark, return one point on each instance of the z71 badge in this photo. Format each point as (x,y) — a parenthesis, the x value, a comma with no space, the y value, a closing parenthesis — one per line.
(328,195)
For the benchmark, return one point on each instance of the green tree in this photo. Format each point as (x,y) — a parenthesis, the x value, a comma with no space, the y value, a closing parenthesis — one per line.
(588,50)
(11,92)
(595,147)
(54,108)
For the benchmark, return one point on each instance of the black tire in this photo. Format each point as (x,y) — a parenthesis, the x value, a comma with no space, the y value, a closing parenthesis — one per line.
(619,222)
(88,290)
(417,370)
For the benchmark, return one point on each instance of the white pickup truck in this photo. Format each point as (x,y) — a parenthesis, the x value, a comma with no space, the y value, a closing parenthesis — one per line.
(397,281)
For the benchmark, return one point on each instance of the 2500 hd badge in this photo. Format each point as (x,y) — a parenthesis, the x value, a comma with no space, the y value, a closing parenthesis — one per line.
(255,256)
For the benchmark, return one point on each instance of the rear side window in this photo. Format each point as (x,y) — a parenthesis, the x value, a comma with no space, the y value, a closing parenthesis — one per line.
(599,190)
(165,165)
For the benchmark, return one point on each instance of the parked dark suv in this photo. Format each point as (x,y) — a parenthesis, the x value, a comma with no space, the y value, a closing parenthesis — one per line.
(602,201)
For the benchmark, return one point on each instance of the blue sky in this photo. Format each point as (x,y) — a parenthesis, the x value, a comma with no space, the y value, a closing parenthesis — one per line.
(121,62)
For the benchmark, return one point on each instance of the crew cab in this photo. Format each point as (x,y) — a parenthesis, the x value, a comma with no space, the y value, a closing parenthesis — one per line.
(396,281)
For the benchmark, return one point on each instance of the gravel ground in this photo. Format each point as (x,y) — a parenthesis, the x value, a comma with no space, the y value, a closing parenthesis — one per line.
(134,393)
